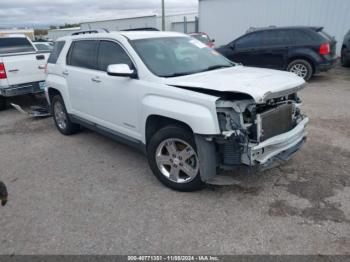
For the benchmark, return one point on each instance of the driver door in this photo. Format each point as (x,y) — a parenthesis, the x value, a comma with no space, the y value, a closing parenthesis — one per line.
(116,98)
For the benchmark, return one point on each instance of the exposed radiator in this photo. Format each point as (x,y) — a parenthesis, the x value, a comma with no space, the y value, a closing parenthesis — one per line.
(276,121)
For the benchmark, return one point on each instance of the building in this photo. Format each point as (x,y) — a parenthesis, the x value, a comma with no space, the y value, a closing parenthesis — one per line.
(28,32)
(225,20)
(178,22)
(54,34)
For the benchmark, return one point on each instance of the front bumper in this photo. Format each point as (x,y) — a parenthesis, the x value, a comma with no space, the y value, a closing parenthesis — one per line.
(281,146)
(23,89)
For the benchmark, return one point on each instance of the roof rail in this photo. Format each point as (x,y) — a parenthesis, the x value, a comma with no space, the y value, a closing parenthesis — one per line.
(253,29)
(141,29)
(93,31)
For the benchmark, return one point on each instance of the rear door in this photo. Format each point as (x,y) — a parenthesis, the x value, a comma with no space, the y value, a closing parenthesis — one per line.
(22,62)
(80,67)
(274,49)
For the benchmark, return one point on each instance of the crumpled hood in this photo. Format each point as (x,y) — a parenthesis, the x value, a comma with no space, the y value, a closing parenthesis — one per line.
(261,84)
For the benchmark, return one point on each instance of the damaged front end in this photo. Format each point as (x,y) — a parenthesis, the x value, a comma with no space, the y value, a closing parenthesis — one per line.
(260,135)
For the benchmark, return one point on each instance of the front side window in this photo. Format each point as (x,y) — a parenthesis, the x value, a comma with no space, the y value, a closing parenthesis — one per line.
(176,56)
(112,53)
(10,45)
(83,54)
(251,40)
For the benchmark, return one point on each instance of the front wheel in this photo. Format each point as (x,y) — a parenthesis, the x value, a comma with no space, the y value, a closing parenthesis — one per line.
(301,68)
(173,158)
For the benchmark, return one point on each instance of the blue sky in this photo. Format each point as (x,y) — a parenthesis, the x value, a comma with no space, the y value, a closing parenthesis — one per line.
(41,13)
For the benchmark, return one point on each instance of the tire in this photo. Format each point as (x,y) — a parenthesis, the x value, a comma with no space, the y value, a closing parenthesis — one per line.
(301,68)
(61,117)
(2,103)
(344,61)
(169,165)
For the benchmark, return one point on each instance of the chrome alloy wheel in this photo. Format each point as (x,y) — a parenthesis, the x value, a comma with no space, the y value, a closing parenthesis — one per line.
(300,70)
(177,160)
(60,115)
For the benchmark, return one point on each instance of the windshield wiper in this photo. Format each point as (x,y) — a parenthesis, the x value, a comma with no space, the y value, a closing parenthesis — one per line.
(211,68)
(179,74)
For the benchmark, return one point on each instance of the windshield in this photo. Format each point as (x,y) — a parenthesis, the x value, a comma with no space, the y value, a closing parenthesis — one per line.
(177,56)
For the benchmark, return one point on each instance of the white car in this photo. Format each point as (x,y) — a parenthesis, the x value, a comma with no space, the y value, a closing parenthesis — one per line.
(188,108)
(22,68)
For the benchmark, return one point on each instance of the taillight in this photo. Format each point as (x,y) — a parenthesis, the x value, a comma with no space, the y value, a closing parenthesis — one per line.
(2,71)
(325,49)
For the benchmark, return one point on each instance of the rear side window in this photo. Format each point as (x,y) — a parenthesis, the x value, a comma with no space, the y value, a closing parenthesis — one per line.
(276,38)
(251,40)
(12,45)
(112,53)
(56,52)
(83,54)
(302,37)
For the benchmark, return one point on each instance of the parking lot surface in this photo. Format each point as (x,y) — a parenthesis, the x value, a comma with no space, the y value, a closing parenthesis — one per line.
(87,194)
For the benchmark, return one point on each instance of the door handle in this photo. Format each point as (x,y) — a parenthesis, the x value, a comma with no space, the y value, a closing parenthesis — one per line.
(42,67)
(65,73)
(96,79)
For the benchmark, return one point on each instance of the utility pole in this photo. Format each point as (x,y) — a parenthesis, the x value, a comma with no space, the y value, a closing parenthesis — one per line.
(163,15)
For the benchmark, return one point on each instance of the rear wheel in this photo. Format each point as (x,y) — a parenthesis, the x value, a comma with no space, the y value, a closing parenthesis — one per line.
(301,68)
(2,103)
(61,118)
(344,61)
(173,158)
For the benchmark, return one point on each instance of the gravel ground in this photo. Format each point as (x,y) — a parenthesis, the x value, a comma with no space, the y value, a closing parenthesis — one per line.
(87,194)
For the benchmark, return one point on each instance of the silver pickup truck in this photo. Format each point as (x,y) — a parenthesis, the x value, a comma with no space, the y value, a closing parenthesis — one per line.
(22,67)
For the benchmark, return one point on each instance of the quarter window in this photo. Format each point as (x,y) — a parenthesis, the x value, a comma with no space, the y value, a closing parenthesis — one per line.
(83,54)
(112,53)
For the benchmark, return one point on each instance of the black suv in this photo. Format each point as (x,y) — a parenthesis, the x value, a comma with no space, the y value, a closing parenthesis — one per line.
(345,51)
(304,51)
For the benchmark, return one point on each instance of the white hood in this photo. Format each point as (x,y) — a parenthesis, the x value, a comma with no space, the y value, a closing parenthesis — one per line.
(260,84)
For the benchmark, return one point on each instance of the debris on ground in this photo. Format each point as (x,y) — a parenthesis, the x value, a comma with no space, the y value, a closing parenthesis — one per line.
(34,111)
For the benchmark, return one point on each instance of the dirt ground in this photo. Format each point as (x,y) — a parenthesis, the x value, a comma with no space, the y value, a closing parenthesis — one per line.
(87,194)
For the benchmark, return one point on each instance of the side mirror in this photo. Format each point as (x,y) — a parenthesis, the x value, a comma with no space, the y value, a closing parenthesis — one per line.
(213,40)
(122,70)
(232,46)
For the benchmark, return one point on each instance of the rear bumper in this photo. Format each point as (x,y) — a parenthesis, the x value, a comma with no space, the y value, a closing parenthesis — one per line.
(280,147)
(23,89)
(327,65)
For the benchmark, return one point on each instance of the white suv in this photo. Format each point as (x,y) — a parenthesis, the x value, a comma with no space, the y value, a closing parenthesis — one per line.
(188,108)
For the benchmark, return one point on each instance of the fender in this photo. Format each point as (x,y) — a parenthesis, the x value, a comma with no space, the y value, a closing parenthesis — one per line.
(60,84)
(305,52)
(202,119)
